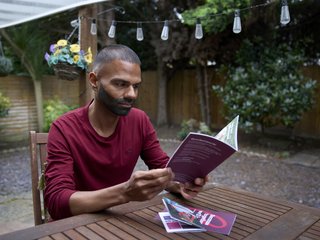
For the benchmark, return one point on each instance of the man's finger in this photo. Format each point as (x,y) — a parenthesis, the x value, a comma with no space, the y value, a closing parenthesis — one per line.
(201,181)
(154,173)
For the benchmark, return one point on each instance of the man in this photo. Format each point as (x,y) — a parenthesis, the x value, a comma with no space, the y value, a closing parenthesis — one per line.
(93,150)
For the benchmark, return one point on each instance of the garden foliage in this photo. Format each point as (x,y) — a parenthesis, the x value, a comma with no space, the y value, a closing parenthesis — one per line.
(4,105)
(54,108)
(267,88)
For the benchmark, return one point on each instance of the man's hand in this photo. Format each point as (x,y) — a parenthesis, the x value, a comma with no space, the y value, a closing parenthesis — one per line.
(144,185)
(188,190)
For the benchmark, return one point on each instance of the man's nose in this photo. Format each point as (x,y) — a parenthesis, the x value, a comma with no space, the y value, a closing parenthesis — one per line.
(131,93)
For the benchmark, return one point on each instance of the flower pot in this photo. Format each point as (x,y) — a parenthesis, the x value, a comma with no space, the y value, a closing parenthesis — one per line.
(66,71)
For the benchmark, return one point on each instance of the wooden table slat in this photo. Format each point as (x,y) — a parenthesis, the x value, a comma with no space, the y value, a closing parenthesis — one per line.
(286,227)
(72,234)
(263,205)
(266,213)
(309,236)
(313,231)
(227,208)
(262,215)
(253,197)
(159,230)
(102,232)
(46,238)
(59,236)
(117,231)
(88,233)
(316,228)
(317,224)
(130,230)
(305,238)
(137,224)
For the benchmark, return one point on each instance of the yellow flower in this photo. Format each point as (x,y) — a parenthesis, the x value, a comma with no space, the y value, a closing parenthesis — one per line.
(75,48)
(76,58)
(57,52)
(88,58)
(89,51)
(62,43)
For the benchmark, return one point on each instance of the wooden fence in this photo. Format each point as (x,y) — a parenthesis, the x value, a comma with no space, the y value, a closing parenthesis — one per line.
(23,114)
(182,100)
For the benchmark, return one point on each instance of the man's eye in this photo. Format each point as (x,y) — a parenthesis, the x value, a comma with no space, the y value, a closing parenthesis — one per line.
(120,84)
(136,86)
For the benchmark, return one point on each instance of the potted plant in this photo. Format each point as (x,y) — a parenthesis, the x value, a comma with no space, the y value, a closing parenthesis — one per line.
(68,60)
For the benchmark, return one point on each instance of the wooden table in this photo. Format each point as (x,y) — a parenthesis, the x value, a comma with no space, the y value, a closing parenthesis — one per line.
(258,218)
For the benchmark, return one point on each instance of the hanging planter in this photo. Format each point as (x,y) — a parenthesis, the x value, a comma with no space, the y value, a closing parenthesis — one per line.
(67,60)
(66,71)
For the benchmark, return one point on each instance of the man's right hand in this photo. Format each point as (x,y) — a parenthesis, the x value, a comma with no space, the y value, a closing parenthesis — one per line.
(144,185)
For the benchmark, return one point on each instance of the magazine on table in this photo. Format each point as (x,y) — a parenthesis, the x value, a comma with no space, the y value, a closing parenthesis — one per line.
(172,225)
(188,219)
(199,153)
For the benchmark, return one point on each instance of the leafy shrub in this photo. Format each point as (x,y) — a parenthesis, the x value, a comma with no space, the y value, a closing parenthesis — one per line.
(4,105)
(268,89)
(54,108)
(192,125)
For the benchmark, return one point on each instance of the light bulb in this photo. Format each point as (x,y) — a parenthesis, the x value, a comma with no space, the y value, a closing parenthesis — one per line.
(178,15)
(74,23)
(112,30)
(139,32)
(237,22)
(285,15)
(93,28)
(199,32)
(165,31)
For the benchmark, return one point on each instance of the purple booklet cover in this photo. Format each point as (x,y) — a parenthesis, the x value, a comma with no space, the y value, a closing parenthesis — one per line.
(199,154)
(213,221)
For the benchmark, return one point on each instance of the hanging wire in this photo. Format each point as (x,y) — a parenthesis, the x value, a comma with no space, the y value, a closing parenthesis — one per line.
(76,25)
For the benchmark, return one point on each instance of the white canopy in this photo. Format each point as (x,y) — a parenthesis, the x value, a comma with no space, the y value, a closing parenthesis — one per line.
(14,12)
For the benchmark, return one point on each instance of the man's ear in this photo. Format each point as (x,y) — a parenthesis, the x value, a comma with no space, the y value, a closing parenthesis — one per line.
(93,80)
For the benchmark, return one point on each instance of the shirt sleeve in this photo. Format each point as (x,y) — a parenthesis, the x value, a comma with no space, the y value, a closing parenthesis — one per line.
(152,153)
(59,175)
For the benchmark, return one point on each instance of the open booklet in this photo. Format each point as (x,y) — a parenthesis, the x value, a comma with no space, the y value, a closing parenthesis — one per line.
(199,153)
(181,218)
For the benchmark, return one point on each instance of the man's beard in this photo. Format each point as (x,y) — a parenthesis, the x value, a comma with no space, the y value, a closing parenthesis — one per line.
(113,104)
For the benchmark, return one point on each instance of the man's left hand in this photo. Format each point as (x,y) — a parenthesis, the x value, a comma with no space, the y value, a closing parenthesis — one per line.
(188,190)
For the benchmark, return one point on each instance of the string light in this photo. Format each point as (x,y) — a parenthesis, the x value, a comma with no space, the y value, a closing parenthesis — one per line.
(237,22)
(112,30)
(93,28)
(284,19)
(178,15)
(199,32)
(285,15)
(165,31)
(139,32)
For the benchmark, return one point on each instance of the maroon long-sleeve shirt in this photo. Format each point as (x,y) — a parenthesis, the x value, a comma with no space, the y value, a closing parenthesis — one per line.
(81,160)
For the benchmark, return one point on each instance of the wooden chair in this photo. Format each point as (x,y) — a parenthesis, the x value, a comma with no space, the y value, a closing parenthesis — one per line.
(38,151)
